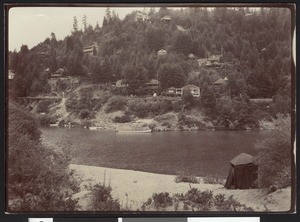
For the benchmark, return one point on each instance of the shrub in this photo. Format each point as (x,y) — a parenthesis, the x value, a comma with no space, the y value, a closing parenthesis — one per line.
(85,114)
(122,119)
(43,106)
(212,180)
(162,200)
(219,200)
(139,108)
(188,99)
(102,199)
(45,120)
(177,106)
(204,199)
(229,204)
(186,179)
(116,103)
(38,178)
(274,155)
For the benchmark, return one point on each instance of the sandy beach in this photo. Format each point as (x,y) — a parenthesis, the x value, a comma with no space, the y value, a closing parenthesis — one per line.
(133,188)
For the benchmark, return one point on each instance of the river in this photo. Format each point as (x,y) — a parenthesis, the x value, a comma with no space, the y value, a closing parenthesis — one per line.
(199,153)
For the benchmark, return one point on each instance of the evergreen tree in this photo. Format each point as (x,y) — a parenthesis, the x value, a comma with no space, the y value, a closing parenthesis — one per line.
(75,24)
(84,22)
(170,75)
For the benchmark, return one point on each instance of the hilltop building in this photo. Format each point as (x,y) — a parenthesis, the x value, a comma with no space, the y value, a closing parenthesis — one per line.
(166,19)
(91,50)
(141,17)
(194,90)
(11,74)
(162,52)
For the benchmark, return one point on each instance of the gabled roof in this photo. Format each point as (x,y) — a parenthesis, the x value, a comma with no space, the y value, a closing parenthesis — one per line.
(166,17)
(190,86)
(220,81)
(153,81)
(171,88)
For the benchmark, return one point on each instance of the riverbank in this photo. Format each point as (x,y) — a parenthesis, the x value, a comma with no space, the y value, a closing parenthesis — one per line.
(133,188)
(90,105)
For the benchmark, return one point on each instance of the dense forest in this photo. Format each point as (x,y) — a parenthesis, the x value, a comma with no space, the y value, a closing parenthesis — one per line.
(255,49)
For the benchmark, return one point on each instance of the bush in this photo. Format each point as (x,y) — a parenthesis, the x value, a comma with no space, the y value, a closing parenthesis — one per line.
(204,199)
(85,114)
(150,108)
(45,120)
(122,119)
(38,179)
(102,199)
(139,108)
(162,200)
(177,106)
(212,180)
(186,179)
(43,106)
(274,155)
(116,103)
(194,198)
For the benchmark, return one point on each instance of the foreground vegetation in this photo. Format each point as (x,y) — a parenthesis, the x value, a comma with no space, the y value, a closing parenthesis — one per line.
(274,156)
(193,200)
(38,178)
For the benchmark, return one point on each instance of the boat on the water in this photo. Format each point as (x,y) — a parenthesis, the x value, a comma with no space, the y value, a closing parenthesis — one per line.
(94,127)
(133,129)
(54,124)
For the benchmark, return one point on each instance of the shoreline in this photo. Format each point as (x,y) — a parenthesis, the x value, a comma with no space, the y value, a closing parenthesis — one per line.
(133,188)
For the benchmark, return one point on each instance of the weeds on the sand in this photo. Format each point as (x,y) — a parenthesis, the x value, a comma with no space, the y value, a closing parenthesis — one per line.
(194,199)
(186,179)
(102,199)
(162,199)
(212,180)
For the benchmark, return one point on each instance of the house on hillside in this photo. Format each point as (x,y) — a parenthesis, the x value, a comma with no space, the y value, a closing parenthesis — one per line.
(194,90)
(11,74)
(141,17)
(170,91)
(220,85)
(220,82)
(91,50)
(57,74)
(214,59)
(178,92)
(181,29)
(121,83)
(152,85)
(162,52)
(211,61)
(202,62)
(166,19)
(191,56)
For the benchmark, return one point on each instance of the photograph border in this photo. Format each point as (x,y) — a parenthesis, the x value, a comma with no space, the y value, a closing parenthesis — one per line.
(294,206)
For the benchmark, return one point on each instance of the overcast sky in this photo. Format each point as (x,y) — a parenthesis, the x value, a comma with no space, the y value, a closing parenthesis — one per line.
(32,25)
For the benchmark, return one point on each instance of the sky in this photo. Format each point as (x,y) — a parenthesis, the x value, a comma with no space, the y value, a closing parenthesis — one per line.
(32,25)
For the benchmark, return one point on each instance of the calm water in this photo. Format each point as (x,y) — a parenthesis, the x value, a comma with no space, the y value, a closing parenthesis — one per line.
(201,153)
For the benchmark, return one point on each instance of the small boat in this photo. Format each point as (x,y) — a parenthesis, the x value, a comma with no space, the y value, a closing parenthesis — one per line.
(131,129)
(54,124)
(94,127)
(134,131)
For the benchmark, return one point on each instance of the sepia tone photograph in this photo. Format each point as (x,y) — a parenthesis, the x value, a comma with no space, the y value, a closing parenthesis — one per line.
(150,109)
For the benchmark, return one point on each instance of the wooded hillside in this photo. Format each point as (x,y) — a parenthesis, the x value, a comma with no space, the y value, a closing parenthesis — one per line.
(255,49)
